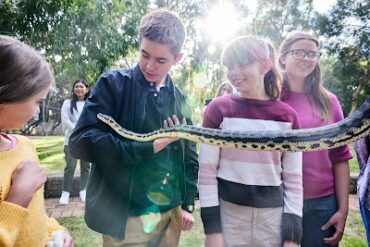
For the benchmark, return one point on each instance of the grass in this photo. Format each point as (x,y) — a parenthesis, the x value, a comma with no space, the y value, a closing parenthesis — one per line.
(51,155)
(50,151)
(353,164)
(84,237)
(354,235)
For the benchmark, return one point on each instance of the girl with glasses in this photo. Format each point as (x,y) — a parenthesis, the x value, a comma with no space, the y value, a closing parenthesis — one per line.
(326,172)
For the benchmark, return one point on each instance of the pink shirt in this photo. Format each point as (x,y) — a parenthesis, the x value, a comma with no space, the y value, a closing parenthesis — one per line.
(318,177)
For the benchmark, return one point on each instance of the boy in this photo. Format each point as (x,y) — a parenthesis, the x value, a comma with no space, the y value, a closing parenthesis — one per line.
(139,194)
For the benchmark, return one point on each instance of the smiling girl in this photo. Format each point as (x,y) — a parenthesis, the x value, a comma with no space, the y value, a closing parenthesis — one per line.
(325,172)
(250,198)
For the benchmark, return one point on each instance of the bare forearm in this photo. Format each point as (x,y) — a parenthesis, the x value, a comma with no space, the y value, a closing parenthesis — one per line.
(341,177)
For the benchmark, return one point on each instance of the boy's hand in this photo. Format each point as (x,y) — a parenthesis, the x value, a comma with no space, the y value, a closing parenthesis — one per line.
(27,178)
(187,220)
(161,143)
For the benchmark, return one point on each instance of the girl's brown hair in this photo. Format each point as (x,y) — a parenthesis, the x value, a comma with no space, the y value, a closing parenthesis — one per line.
(249,49)
(23,71)
(313,84)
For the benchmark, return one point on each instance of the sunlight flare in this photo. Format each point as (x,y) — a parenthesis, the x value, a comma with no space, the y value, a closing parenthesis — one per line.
(222,22)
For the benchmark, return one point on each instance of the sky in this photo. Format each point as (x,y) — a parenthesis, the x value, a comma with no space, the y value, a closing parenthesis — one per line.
(229,23)
(322,6)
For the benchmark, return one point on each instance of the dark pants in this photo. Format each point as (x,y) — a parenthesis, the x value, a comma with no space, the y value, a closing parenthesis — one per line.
(69,171)
(316,213)
(365,213)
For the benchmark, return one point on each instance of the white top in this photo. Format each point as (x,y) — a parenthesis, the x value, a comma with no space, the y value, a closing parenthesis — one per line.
(69,120)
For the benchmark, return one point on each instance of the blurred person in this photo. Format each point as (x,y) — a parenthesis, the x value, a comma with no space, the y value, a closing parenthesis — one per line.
(362,148)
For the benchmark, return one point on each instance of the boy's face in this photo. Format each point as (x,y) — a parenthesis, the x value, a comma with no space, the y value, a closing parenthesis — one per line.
(156,60)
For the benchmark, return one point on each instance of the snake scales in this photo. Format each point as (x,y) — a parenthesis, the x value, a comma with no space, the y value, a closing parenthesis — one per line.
(350,129)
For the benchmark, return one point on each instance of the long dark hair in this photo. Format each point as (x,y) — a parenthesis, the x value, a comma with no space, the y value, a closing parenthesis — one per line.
(74,96)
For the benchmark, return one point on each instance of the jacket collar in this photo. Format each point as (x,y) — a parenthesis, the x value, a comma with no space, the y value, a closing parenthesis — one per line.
(139,77)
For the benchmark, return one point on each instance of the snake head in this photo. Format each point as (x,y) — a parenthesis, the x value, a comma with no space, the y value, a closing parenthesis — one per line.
(104,118)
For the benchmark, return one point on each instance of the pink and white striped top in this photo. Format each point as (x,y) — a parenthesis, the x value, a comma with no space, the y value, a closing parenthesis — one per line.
(251,178)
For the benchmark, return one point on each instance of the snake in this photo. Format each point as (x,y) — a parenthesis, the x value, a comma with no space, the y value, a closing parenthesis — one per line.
(350,129)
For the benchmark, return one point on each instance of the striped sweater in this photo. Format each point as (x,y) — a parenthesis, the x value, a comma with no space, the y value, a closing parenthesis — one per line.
(256,179)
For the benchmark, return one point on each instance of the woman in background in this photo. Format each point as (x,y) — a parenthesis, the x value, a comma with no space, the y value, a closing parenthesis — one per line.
(71,111)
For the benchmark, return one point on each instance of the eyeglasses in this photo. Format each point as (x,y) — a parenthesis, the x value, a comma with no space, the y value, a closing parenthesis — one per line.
(301,54)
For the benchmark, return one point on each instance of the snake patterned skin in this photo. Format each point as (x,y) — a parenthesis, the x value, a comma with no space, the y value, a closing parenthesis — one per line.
(348,130)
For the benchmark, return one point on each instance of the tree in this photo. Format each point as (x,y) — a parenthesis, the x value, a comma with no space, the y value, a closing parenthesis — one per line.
(275,19)
(346,29)
(81,39)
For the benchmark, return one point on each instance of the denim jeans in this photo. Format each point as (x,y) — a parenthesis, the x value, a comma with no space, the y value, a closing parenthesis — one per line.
(316,212)
(365,213)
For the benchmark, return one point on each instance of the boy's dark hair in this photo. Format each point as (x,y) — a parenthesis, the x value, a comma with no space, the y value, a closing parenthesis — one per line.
(163,27)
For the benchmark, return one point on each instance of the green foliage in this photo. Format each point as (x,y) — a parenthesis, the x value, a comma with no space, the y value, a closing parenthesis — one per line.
(81,39)
(90,40)
(346,29)
(274,19)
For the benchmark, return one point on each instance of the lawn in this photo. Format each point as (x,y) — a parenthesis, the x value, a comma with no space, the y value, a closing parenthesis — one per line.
(50,151)
(84,237)
(51,155)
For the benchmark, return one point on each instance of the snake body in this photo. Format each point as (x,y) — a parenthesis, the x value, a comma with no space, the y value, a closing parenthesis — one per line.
(348,130)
